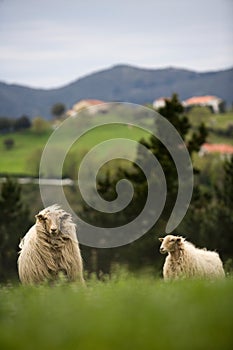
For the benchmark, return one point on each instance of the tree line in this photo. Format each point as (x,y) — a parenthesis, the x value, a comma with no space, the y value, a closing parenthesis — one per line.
(24,122)
(8,125)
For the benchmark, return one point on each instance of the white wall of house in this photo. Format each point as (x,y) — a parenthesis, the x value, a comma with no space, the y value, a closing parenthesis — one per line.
(159,103)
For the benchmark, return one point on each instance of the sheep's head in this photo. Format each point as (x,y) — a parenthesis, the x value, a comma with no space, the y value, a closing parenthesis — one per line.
(170,243)
(50,222)
(52,219)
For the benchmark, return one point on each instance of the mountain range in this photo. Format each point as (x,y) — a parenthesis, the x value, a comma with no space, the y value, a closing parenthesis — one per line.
(119,83)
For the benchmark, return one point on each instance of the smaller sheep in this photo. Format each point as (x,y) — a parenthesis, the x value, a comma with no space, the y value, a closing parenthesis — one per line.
(184,260)
(50,248)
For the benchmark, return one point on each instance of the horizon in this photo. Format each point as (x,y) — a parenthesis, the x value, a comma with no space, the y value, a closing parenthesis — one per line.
(112,67)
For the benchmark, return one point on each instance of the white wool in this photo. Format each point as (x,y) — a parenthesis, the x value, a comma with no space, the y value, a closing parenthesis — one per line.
(44,254)
(185,260)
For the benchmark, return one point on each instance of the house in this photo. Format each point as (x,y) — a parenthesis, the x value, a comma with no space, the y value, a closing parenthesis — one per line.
(93,107)
(160,102)
(223,149)
(216,104)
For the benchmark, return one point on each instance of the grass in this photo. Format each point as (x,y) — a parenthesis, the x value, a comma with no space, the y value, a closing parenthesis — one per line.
(24,157)
(16,160)
(216,122)
(202,115)
(19,159)
(121,313)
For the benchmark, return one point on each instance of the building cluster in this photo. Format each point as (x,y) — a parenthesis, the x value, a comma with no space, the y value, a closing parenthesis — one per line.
(215,104)
(94,106)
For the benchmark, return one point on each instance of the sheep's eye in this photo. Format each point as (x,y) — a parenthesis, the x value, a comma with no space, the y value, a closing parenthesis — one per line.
(172,240)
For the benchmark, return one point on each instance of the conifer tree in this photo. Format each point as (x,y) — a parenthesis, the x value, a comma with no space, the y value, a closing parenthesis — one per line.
(210,218)
(14,222)
(142,252)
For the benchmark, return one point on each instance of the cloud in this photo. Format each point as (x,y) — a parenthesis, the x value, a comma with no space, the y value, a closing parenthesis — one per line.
(70,39)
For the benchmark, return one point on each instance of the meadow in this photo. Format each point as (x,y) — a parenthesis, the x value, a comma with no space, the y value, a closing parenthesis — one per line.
(124,312)
(24,157)
(28,147)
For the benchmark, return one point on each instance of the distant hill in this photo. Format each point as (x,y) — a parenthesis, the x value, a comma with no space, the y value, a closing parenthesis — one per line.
(119,83)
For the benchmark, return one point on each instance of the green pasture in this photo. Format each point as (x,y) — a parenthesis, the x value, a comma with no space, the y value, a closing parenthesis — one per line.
(199,115)
(119,313)
(16,160)
(216,123)
(24,157)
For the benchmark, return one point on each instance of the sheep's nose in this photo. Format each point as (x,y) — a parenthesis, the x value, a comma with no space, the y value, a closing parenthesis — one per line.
(162,251)
(53,230)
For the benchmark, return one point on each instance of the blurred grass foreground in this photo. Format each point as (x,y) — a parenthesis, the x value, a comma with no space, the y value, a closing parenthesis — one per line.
(121,313)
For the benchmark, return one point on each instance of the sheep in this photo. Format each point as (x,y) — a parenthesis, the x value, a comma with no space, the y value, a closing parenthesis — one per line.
(184,260)
(50,248)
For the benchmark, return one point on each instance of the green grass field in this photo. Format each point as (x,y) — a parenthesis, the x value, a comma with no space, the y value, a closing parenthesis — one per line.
(21,158)
(202,115)
(16,160)
(118,314)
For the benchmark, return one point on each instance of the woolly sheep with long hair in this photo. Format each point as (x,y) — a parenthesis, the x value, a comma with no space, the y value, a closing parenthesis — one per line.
(50,248)
(185,260)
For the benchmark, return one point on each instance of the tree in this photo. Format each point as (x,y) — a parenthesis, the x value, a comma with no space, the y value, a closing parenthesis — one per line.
(225,192)
(14,222)
(40,125)
(9,143)
(58,110)
(142,253)
(209,220)
(22,123)
(6,125)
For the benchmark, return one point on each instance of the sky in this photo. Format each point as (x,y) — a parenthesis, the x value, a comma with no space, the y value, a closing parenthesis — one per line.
(50,43)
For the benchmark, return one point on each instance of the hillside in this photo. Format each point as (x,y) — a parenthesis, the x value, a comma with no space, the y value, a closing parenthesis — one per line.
(24,157)
(119,83)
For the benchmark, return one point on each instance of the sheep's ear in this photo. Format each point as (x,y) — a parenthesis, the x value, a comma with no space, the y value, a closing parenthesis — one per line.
(39,217)
(161,239)
(21,243)
(66,216)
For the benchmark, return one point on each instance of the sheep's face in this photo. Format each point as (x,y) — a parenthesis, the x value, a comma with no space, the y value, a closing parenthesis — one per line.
(169,244)
(50,221)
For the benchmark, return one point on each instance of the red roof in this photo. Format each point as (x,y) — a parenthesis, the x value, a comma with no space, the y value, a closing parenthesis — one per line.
(195,100)
(93,102)
(217,148)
